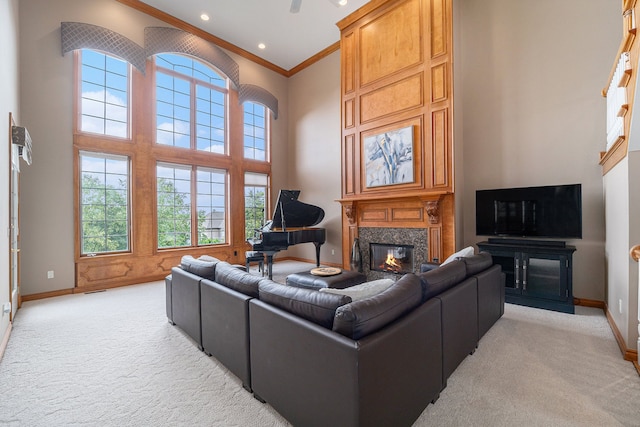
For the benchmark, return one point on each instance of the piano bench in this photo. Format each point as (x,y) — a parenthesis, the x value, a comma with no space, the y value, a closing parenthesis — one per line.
(340,281)
(255,256)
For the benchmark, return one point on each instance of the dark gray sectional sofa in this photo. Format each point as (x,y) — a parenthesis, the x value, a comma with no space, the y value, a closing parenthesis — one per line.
(322,359)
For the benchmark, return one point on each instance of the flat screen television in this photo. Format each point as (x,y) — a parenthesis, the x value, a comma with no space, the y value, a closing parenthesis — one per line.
(553,211)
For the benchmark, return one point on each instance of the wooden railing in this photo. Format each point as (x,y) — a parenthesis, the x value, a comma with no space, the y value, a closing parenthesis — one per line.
(620,91)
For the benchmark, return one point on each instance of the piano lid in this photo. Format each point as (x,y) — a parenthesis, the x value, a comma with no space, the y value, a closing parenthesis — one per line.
(296,213)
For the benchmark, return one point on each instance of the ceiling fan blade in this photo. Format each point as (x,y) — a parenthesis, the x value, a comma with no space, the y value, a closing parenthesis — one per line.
(295,6)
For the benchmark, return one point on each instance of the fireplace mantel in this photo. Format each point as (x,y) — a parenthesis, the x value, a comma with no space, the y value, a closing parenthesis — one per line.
(432,213)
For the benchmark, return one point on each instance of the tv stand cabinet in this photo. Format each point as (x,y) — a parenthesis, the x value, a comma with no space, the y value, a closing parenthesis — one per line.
(538,273)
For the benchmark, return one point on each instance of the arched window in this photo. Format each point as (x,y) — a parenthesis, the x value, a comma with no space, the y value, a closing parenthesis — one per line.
(191,104)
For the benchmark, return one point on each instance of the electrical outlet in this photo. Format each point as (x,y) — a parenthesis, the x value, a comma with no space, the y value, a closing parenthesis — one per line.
(620,306)
(333,251)
(50,274)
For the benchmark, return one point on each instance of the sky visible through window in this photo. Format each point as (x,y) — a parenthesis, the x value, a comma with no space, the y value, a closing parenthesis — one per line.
(179,81)
(104,102)
(255,131)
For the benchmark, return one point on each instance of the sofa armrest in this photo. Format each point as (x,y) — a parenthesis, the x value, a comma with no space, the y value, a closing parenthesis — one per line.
(225,328)
(428,266)
(490,298)
(185,303)
(459,324)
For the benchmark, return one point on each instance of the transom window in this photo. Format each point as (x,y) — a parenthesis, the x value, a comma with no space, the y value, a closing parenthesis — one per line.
(104,203)
(104,94)
(191,104)
(255,143)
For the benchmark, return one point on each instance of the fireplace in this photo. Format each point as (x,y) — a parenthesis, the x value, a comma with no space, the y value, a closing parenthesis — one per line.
(393,237)
(391,258)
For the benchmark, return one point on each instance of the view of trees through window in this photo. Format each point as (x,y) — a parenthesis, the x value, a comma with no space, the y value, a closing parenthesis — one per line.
(255,191)
(104,196)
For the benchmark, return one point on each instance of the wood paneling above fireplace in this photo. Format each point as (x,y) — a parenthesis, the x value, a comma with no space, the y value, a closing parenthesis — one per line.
(396,65)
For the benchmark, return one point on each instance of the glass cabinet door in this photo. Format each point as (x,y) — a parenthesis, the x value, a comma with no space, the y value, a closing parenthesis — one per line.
(544,276)
(508,264)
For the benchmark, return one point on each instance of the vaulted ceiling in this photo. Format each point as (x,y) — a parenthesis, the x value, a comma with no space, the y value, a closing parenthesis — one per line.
(289,38)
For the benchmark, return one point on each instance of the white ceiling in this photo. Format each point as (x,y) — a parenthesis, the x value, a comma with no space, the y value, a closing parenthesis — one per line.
(290,38)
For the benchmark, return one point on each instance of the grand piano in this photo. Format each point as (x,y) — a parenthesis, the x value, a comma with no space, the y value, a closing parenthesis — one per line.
(290,225)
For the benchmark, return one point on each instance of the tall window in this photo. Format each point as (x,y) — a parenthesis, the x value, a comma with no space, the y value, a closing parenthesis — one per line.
(181,84)
(104,201)
(177,205)
(104,94)
(255,191)
(211,202)
(255,141)
(174,205)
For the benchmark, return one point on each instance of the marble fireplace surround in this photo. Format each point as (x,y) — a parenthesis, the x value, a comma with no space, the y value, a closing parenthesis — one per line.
(394,236)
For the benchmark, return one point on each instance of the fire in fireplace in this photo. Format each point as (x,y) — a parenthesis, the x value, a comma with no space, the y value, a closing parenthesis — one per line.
(390,258)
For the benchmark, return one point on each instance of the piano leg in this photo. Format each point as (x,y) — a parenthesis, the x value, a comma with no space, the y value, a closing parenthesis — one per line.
(270,264)
(317,245)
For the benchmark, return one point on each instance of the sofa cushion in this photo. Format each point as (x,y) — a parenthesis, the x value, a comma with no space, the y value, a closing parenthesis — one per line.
(436,281)
(361,318)
(317,307)
(363,290)
(237,279)
(463,253)
(208,258)
(478,263)
(199,267)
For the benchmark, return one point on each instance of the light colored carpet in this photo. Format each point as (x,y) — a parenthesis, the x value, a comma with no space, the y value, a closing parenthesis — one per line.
(112,359)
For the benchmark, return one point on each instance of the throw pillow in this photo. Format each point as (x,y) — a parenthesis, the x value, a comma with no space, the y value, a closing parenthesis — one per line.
(463,253)
(363,290)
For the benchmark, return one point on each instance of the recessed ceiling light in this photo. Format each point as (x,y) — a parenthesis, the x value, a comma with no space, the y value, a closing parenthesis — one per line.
(204,17)
(342,2)
(262,45)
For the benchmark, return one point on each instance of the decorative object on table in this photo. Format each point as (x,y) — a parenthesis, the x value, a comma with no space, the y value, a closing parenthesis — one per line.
(388,157)
(356,256)
(325,271)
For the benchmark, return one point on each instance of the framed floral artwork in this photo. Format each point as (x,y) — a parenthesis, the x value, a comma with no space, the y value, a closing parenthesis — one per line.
(388,157)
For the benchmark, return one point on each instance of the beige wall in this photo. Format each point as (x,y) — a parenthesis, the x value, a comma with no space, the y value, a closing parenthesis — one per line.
(529,110)
(47,101)
(314,149)
(9,84)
